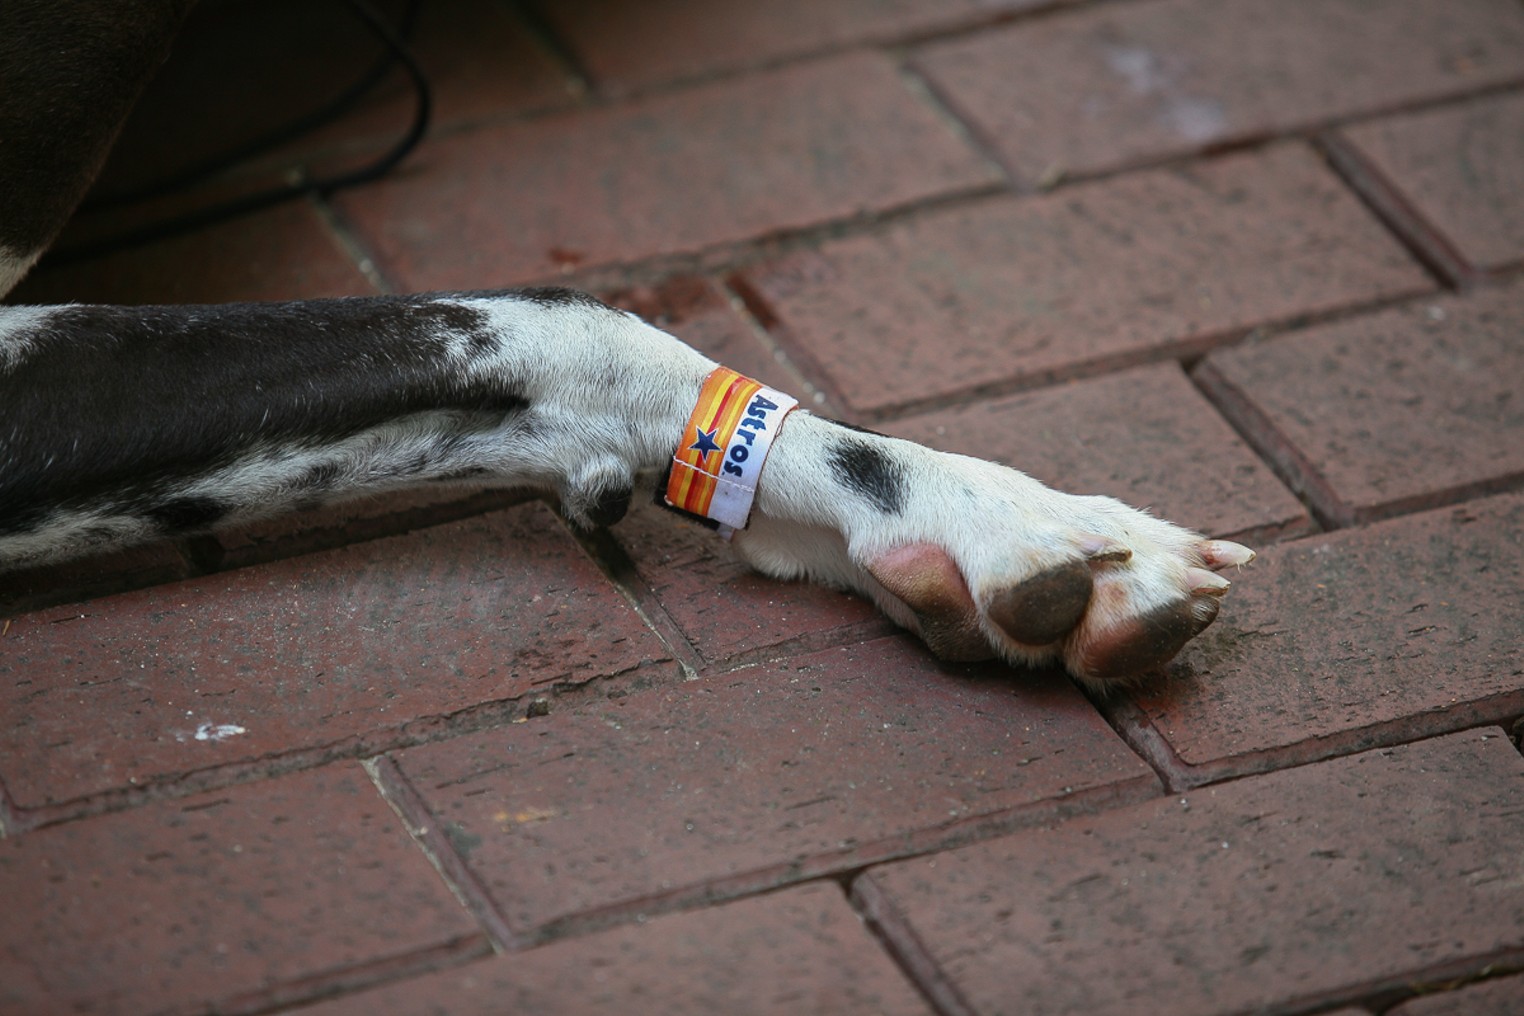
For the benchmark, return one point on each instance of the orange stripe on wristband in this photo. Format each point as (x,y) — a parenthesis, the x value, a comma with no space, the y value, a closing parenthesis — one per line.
(719,459)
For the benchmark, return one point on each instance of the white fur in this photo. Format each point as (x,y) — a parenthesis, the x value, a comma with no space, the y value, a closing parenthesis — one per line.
(608,397)
(18,327)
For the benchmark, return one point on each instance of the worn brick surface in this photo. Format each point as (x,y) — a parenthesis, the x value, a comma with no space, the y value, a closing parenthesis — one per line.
(798,951)
(725,609)
(1502,997)
(1088,278)
(700,313)
(1266,894)
(664,175)
(1145,436)
(284,253)
(758,777)
(1458,168)
(628,45)
(1133,82)
(1400,629)
(311,652)
(184,904)
(1407,409)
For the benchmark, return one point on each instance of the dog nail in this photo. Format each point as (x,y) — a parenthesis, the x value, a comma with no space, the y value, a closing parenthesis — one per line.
(1205,583)
(1102,548)
(1221,553)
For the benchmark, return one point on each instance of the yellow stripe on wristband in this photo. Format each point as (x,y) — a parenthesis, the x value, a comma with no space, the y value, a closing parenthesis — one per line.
(719,459)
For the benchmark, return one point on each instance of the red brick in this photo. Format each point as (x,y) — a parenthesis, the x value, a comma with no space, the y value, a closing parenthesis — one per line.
(1090,278)
(1273,894)
(628,45)
(81,579)
(1458,169)
(1402,629)
(1145,436)
(759,778)
(1502,997)
(285,253)
(356,647)
(798,951)
(700,313)
(1408,409)
(724,609)
(353,521)
(186,905)
(1129,83)
(665,175)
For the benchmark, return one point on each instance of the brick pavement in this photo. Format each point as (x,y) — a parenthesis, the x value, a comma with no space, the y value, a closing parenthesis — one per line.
(436,753)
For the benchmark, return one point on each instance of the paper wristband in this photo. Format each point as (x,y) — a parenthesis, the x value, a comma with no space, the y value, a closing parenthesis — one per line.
(719,459)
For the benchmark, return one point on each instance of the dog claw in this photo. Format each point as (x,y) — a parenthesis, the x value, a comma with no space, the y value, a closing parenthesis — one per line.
(1101,548)
(1205,583)
(1222,553)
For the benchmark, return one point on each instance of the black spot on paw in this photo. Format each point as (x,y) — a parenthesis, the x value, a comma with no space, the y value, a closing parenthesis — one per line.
(864,469)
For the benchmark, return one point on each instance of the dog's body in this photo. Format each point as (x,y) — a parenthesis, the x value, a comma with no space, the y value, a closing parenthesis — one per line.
(124,424)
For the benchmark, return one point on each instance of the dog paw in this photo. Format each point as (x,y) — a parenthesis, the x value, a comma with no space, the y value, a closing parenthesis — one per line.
(982,561)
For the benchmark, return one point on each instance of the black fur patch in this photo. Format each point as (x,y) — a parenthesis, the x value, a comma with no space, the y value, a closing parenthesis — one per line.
(865,470)
(123,402)
(609,506)
(184,514)
(320,477)
(553,296)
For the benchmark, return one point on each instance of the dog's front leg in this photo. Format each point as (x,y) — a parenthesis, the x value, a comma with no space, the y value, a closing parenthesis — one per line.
(123,424)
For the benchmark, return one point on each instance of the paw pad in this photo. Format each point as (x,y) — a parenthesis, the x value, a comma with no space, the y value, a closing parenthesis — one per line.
(1046,607)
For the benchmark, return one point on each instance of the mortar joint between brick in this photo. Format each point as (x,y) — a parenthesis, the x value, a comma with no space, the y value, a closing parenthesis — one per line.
(1450,976)
(1132,725)
(10,818)
(174,786)
(550,43)
(427,831)
(616,566)
(1273,448)
(748,306)
(964,128)
(726,257)
(1406,224)
(361,977)
(349,243)
(895,935)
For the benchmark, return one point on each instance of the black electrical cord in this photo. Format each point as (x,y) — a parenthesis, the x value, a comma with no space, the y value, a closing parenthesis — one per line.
(397,52)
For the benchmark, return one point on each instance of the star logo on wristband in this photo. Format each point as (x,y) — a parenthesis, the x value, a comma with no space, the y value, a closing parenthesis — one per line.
(705,443)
